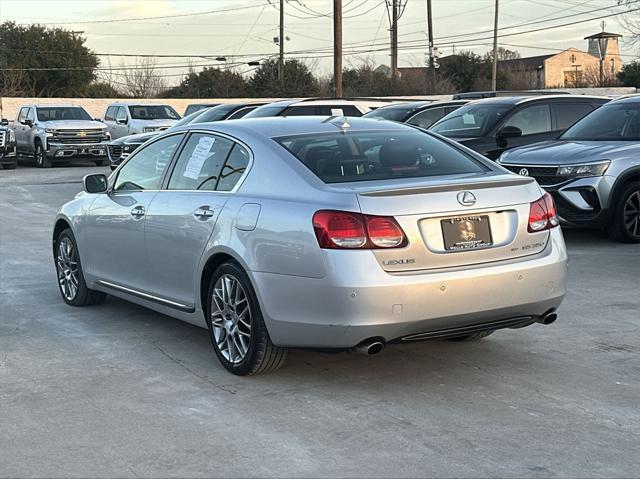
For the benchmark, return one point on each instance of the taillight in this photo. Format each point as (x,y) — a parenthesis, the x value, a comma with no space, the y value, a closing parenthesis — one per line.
(346,230)
(542,214)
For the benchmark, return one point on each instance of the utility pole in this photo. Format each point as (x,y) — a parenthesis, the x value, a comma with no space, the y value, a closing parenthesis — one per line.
(431,66)
(337,48)
(494,72)
(281,42)
(394,39)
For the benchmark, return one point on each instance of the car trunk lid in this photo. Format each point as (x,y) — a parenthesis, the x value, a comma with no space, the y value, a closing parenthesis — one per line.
(456,221)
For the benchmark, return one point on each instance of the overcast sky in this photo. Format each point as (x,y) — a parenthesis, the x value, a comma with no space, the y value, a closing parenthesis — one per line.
(247,28)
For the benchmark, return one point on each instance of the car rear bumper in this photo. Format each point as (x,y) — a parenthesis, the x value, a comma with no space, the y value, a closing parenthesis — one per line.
(357,300)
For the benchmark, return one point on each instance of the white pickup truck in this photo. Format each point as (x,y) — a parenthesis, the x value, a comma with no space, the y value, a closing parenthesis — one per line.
(52,133)
(124,119)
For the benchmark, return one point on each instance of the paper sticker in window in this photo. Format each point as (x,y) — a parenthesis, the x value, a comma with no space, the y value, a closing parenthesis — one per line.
(198,157)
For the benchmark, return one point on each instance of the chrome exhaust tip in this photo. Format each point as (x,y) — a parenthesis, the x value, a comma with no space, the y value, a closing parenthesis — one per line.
(370,347)
(548,317)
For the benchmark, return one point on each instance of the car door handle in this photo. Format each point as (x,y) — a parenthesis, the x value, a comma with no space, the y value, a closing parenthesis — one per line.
(138,212)
(203,213)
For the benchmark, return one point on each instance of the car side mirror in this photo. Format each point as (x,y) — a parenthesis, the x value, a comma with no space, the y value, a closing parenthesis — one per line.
(95,183)
(510,132)
(29,123)
(4,122)
(122,121)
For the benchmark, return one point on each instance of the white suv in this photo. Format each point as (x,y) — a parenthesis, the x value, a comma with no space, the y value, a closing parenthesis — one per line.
(124,119)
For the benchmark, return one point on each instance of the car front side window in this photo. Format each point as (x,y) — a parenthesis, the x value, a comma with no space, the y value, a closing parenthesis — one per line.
(531,120)
(145,168)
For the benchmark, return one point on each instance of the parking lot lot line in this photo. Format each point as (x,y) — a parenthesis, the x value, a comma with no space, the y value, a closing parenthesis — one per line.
(118,390)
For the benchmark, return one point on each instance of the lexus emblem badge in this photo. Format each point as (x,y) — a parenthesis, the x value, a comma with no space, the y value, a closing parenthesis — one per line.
(523,172)
(466,198)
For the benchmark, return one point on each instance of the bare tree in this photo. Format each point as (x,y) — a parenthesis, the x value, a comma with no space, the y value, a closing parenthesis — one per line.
(142,79)
(630,21)
(12,84)
(591,77)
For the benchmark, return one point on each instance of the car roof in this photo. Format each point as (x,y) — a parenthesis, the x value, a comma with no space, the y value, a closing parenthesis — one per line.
(634,98)
(54,105)
(414,105)
(517,100)
(270,127)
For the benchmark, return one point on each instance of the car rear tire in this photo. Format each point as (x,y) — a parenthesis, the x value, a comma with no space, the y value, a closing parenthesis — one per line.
(42,161)
(238,334)
(473,337)
(624,225)
(71,282)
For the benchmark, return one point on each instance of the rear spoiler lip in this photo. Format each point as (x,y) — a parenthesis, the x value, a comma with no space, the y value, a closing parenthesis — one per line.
(516,181)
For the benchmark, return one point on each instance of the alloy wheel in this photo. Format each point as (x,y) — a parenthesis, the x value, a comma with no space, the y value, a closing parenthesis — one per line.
(67,266)
(231,318)
(631,214)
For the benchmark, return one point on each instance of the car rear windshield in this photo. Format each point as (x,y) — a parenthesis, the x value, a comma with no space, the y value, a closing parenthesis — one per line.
(153,112)
(266,111)
(378,155)
(612,122)
(62,113)
(390,113)
(470,121)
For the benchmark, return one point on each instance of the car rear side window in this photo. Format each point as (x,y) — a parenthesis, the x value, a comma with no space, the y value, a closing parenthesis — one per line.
(200,163)
(233,169)
(426,118)
(568,113)
(145,168)
(378,155)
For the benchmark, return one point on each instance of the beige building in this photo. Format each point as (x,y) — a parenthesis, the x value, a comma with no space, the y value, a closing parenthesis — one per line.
(571,67)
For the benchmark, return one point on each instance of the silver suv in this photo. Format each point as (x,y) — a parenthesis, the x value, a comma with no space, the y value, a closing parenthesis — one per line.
(592,170)
(124,119)
(51,133)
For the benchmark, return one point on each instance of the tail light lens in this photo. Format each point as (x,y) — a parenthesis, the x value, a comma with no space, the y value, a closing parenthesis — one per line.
(543,214)
(346,230)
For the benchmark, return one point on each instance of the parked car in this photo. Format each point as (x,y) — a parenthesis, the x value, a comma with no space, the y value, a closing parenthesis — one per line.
(318,106)
(495,125)
(592,170)
(54,133)
(8,153)
(316,233)
(124,119)
(122,147)
(194,107)
(418,113)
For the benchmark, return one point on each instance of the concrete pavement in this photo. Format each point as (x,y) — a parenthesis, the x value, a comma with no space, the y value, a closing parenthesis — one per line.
(117,390)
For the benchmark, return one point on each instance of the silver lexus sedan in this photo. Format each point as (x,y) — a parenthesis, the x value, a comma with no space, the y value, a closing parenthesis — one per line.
(314,232)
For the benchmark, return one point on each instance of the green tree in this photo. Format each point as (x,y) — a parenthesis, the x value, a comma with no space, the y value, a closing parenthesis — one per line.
(298,80)
(68,65)
(210,83)
(630,74)
(365,81)
(469,71)
(100,89)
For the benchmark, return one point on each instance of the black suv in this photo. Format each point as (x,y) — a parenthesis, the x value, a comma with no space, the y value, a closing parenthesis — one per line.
(494,125)
(8,153)
(418,113)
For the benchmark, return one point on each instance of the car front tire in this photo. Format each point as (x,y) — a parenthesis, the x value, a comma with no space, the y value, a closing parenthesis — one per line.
(71,281)
(236,327)
(42,161)
(624,225)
